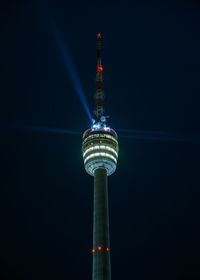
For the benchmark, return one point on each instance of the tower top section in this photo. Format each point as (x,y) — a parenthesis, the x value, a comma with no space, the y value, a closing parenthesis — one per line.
(99,94)
(100,142)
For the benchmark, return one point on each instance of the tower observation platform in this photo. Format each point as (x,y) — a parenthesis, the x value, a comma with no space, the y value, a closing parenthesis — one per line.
(100,154)
(100,150)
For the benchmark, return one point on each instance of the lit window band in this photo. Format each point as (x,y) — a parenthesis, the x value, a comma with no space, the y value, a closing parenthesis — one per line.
(101,136)
(100,147)
(97,142)
(101,154)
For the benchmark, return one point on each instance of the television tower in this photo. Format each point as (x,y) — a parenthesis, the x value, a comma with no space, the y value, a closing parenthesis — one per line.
(100,153)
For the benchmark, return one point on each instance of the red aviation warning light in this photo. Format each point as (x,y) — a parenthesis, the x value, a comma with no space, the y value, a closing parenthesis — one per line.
(99,69)
(99,36)
(93,251)
(99,248)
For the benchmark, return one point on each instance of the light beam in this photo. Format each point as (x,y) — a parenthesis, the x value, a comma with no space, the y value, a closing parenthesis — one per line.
(69,65)
(157,135)
(123,133)
(19,126)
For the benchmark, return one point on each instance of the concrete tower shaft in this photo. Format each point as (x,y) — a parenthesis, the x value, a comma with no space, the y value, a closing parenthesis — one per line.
(101,240)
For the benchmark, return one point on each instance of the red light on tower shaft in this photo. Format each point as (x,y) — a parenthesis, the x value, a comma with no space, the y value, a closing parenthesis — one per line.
(99,248)
(107,249)
(93,250)
(99,36)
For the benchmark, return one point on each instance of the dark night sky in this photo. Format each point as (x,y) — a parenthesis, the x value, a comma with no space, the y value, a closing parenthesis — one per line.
(151,57)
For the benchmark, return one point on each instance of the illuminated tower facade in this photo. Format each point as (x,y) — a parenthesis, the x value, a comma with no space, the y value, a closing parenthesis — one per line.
(100,154)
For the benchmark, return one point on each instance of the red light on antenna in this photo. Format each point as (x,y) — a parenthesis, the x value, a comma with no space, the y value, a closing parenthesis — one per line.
(93,251)
(99,36)
(99,69)
(99,248)
(107,249)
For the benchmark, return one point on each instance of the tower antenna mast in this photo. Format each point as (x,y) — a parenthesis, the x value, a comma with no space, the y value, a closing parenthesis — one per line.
(99,95)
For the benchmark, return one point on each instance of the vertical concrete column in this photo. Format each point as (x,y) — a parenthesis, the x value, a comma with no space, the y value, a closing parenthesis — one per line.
(101,242)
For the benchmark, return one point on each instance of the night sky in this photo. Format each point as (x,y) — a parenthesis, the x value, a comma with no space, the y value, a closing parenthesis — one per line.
(151,59)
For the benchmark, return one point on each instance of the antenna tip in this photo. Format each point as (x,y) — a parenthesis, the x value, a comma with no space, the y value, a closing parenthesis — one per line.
(99,36)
